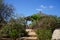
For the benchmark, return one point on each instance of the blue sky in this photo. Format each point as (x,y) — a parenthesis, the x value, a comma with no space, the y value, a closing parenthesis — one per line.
(29,7)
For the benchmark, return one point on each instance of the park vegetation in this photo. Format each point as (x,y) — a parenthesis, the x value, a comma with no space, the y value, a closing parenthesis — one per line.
(44,25)
(11,27)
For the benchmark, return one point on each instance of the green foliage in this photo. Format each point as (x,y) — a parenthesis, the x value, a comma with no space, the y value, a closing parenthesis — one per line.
(44,22)
(48,22)
(44,34)
(5,31)
(14,29)
(35,17)
(13,33)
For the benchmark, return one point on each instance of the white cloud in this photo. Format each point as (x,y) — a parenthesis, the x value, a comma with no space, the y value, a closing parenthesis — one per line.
(42,6)
(51,6)
(39,9)
(45,7)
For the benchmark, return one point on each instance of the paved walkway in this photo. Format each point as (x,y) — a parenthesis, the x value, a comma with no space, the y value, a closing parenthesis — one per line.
(32,35)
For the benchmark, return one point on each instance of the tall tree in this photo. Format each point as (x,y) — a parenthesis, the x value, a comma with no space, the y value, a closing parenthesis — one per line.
(6,11)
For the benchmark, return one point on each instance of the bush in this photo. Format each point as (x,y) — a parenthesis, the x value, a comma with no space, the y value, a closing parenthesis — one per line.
(13,31)
(44,34)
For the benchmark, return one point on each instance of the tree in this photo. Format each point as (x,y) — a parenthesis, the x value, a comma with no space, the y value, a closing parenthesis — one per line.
(6,11)
(43,21)
(36,18)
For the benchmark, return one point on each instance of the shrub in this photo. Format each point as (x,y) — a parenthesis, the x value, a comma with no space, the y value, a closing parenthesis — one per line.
(13,31)
(44,34)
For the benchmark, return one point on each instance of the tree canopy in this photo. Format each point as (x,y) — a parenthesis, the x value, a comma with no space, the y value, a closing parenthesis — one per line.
(43,21)
(6,11)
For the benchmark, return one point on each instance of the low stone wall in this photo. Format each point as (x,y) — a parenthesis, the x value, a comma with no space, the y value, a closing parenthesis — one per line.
(56,34)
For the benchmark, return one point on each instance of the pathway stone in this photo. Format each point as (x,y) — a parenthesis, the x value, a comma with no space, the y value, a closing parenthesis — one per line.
(32,35)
